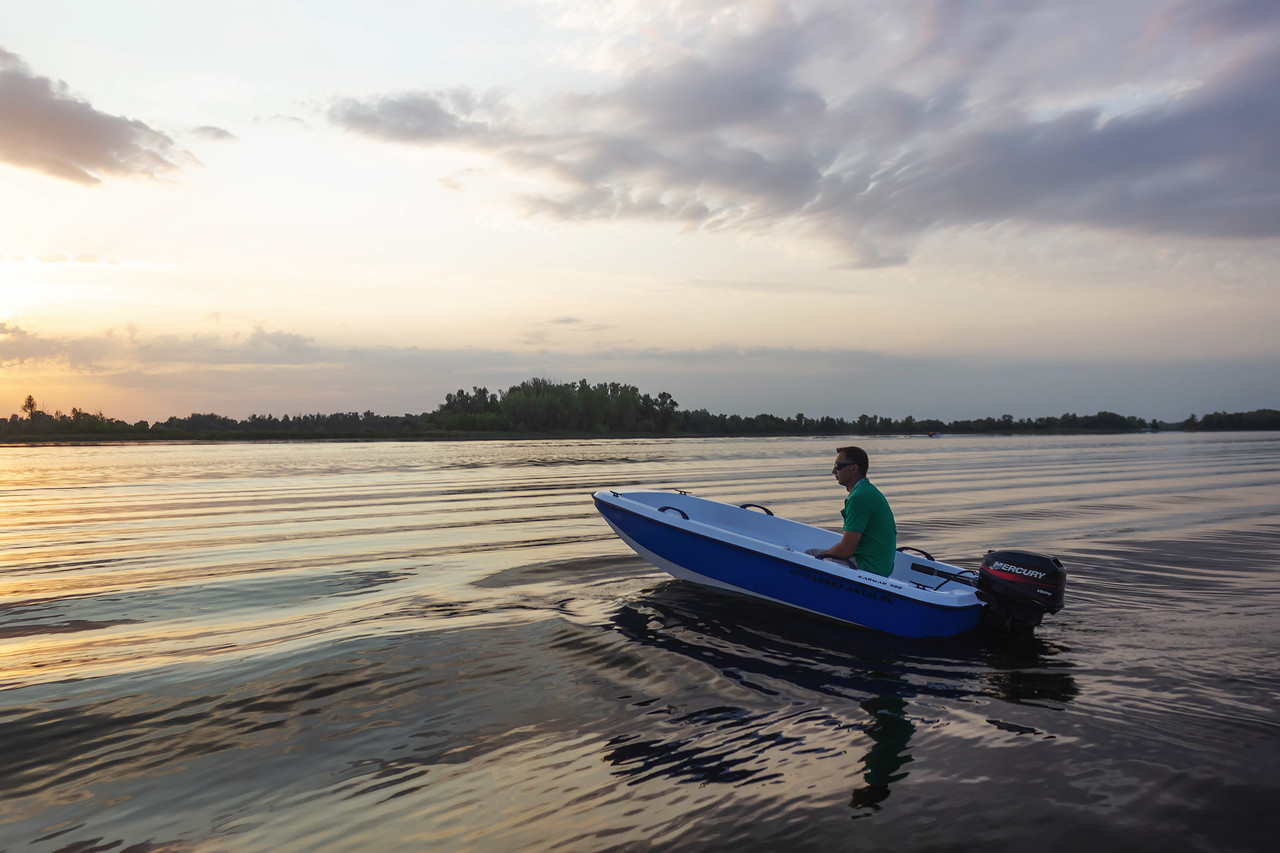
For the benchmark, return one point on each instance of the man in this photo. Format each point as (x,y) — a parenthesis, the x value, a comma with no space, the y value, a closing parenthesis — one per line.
(870,535)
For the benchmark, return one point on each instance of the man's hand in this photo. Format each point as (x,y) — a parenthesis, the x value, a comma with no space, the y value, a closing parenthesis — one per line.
(844,549)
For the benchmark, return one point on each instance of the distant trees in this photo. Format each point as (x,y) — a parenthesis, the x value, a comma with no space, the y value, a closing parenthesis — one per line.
(1258,419)
(540,406)
(40,423)
(1069,422)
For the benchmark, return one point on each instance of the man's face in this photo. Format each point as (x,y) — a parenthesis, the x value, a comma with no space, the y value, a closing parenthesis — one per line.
(846,471)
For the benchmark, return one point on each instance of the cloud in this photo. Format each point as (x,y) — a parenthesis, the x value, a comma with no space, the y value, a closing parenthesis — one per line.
(870,128)
(12,336)
(1206,164)
(455,181)
(287,122)
(288,342)
(47,129)
(421,116)
(282,372)
(126,349)
(547,332)
(1215,19)
(215,134)
(768,287)
(63,258)
(66,258)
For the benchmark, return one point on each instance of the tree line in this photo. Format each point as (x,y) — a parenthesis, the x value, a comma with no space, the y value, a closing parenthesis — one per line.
(542,407)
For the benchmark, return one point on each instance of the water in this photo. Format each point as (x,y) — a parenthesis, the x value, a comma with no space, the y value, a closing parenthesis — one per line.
(352,647)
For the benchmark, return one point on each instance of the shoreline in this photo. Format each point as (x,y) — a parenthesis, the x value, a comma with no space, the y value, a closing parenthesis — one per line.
(90,440)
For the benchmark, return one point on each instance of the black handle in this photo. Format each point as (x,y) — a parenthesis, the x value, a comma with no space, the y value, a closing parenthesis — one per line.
(966,579)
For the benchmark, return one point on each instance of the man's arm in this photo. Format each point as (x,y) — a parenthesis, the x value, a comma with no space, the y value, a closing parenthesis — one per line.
(843,549)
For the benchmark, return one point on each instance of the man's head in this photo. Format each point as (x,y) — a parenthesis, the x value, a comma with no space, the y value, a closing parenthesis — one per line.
(851,465)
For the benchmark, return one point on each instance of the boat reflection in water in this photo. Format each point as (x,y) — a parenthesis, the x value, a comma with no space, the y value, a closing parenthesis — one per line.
(811,688)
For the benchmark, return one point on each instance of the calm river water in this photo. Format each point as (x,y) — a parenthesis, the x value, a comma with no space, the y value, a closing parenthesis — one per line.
(422,646)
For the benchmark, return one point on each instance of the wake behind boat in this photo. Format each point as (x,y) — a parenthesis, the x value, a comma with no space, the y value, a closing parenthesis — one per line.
(749,550)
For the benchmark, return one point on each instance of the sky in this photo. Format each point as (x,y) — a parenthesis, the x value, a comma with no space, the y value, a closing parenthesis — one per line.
(948,209)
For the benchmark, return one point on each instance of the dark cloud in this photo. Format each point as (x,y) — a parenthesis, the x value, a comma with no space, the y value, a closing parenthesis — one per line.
(1207,164)
(1212,19)
(47,129)
(751,87)
(271,371)
(871,129)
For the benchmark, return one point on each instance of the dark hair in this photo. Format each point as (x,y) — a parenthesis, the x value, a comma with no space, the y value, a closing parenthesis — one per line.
(857,456)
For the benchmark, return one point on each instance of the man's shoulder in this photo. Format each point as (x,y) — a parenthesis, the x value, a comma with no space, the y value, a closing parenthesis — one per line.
(870,493)
(867,487)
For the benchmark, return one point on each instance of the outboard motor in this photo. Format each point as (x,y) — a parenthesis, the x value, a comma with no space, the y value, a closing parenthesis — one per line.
(1019,588)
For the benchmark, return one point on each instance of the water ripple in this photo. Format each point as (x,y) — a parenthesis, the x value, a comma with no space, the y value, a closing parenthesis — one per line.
(440,646)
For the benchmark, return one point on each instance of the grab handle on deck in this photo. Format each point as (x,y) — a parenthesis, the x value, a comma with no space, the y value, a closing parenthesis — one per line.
(966,579)
(683,514)
(924,554)
(755,506)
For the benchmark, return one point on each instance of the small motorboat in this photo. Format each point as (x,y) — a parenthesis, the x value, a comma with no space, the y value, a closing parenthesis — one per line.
(747,549)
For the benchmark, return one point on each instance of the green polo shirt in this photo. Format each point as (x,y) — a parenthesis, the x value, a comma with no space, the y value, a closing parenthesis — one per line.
(867,512)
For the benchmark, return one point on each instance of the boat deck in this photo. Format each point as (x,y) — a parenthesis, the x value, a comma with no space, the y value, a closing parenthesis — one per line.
(753,528)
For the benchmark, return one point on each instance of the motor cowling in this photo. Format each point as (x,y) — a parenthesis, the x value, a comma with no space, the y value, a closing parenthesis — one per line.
(1019,587)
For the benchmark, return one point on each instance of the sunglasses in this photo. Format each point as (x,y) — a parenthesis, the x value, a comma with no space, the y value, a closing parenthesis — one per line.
(840,465)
